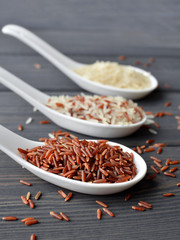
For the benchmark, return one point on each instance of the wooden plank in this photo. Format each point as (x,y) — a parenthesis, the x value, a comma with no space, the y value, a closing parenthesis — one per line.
(97,43)
(92,23)
(166,70)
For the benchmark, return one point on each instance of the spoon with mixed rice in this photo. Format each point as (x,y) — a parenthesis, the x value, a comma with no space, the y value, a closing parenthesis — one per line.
(99,116)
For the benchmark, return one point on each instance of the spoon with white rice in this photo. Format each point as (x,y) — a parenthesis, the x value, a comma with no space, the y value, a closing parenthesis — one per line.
(87,76)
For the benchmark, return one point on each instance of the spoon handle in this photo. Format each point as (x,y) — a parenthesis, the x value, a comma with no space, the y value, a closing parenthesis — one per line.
(39,45)
(10,140)
(30,94)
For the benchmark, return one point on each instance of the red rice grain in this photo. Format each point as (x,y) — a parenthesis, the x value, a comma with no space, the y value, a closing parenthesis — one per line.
(174,162)
(56,215)
(138,208)
(82,160)
(69,196)
(164,168)
(45,122)
(168,194)
(33,237)
(9,218)
(168,161)
(167,104)
(154,169)
(24,200)
(106,210)
(62,193)
(137,63)
(139,150)
(127,197)
(155,159)
(150,149)
(158,164)
(99,214)
(151,59)
(27,219)
(178,184)
(20,127)
(122,58)
(102,204)
(159,151)
(31,222)
(151,176)
(147,64)
(31,204)
(173,169)
(145,204)
(169,174)
(25,183)
(64,217)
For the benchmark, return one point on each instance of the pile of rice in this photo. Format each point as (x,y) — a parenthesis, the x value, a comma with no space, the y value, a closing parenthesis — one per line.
(99,109)
(114,74)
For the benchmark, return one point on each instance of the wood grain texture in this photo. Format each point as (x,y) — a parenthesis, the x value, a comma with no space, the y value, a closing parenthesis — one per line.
(87,31)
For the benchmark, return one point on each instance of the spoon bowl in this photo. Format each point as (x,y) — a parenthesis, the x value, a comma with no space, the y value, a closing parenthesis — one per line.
(9,142)
(39,100)
(67,65)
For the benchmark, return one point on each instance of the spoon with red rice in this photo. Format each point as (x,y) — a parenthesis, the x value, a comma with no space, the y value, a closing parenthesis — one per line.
(18,147)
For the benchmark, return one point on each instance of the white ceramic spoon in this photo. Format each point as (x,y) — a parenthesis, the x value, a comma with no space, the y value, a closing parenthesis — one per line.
(66,65)
(9,142)
(39,99)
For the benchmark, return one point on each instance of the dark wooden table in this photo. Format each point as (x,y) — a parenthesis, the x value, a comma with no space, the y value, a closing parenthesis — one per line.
(87,31)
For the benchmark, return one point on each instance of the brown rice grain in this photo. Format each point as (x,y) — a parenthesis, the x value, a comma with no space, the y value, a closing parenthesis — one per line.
(28,195)
(38,194)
